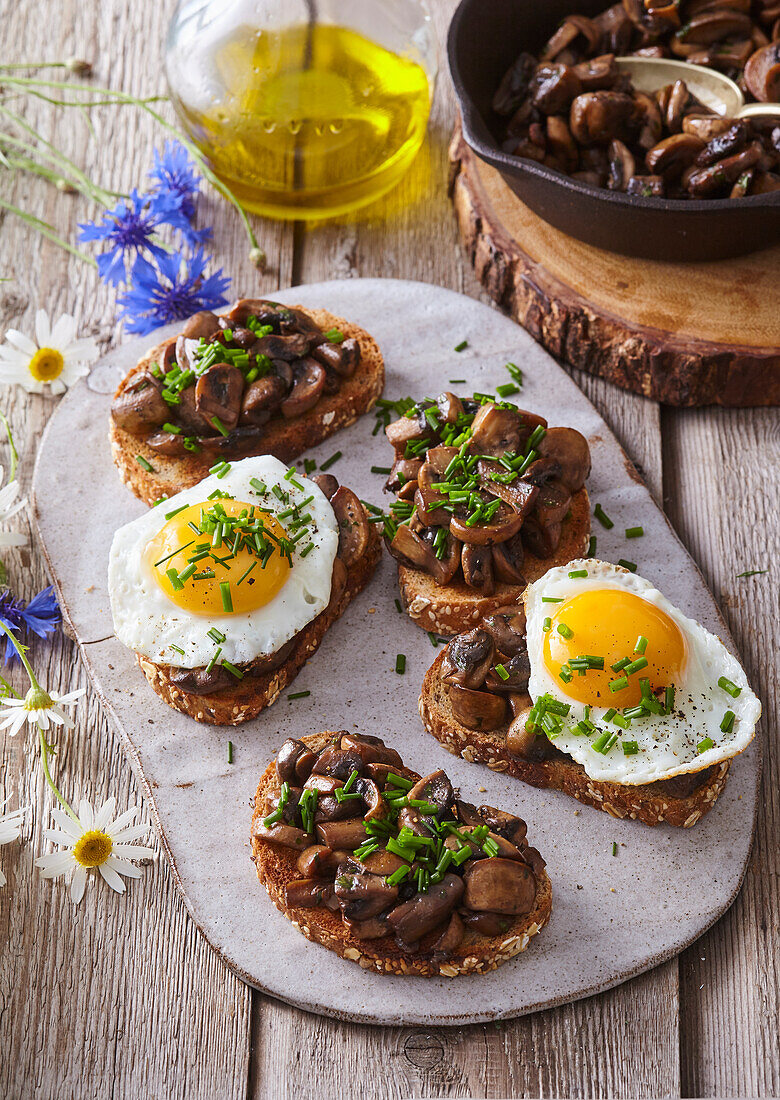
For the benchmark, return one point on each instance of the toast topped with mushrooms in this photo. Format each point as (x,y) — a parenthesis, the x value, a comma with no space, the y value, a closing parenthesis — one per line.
(488,498)
(598,686)
(391,870)
(261,379)
(227,589)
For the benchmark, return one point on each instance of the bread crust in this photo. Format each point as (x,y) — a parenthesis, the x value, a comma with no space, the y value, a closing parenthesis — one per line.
(639,803)
(450,609)
(240,703)
(284,439)
(276,866)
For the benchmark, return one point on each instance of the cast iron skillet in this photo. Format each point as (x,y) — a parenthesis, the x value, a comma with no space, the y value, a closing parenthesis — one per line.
(484,39)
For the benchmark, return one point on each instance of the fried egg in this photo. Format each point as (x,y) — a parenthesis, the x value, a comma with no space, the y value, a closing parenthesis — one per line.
(234,567)
(626,684)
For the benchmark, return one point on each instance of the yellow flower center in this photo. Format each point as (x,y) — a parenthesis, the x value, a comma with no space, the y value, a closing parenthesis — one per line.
(46,365)
(92,848)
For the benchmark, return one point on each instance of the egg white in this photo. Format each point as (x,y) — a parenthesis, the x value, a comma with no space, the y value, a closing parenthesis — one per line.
(148,621)
(668,743)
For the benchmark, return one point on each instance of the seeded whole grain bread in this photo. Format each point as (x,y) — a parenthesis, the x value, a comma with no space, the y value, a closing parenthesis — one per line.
(284,439)
(450,609)
(477,954)
(649,803)
(243,701)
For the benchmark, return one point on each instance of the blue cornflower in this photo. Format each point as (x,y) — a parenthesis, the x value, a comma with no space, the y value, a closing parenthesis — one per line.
(41,615)
(175,177)
(129,228)
(175,291)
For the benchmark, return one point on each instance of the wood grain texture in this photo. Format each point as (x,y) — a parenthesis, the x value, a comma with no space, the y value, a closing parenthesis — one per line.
(686,334)
(722,493)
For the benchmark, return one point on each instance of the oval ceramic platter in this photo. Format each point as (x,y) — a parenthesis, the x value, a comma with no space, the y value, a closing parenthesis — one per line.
(613,916)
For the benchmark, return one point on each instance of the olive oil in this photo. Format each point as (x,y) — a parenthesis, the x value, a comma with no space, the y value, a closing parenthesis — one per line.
(312,120)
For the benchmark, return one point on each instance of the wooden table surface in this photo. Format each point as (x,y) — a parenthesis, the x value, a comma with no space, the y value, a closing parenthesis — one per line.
(121,997)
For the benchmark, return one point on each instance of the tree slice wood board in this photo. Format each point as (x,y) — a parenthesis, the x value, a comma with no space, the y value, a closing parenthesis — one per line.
(613,917)
(684,334)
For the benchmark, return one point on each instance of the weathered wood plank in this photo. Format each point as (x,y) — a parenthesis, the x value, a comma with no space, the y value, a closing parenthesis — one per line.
(624,1043)
(722,495)
(120,997)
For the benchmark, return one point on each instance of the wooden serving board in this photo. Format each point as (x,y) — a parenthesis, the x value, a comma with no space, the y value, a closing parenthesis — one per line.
(684,334)
(613,917)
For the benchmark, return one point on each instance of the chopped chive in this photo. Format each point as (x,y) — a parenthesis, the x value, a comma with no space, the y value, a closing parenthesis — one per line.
(326,465)
(577,573)
(602,517)
(230,752)
(246,573)
(565,674)
(173,554)
(176,649)
(552,599)
(173,577)
(614,848)
(298,695)
(592,546)
(635,666)
(604,742)
(609,714)
(400,664)
(213,660)
(669,699)
(565,631)
(172,429)
(227,599)
(462,345)
(380,469)
(258,486)
(707,743)
(641,644)
(618,684)
(457,381)
(233,670)
(187,572)
(634,532)
(216,635)
(433,639)
(547,625)
(397,876)
(398,607)
(507,389)
(631,566)
(502,672)
(334,336)
(630,748)
(727,725)
(730,688)
(144,464)
(217,423)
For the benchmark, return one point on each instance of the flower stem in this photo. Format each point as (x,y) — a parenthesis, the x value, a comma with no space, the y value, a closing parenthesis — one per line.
(46,230)
(45,762)
(11,445)
(21,651)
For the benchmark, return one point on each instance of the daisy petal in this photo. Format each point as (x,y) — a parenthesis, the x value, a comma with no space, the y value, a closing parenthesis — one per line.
(128,835)
(133,851)
(42,329)
(116,863)
(63,332)
(23,343)
(78,884)
(54,864)
(86,816)
(111,877)
(105,813)
(124,819)
(66,822)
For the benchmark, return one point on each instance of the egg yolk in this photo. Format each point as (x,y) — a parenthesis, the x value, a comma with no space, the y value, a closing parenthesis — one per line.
(221,581)
(608,623)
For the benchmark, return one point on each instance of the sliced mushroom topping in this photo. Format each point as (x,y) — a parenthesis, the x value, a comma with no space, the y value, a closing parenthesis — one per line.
(407,428)
(507,625)
(487,924)
(327,483)
(707,181)
(722,145)
(540,541)
(477,710)
(450,406)
(260,398)
(597,73)
(713,26)
(203,325)
(218,393)
(294,762)
(346,835)
(670,157)
(552,504)
(520,493)
(514,677)
(508,558)
(409,548)
(281,833)
(436,790)
(372,750)
(288,348)
(383,862)
(353,525)
(505,524)
(527,745)
(500,886)
(468,658)
(403,473)
(372,929)
(543,470)
(342,358)
(307,893)
(495,431)
(413,919)
(647,186)
(362,895)
(140,407)
(166,443)
(191,420)
(513,828)
(514,85)
(339,763)
(451,938)
(317,861)
(553,87)
(371,795)
(622,166)
(477,565)
(308,384)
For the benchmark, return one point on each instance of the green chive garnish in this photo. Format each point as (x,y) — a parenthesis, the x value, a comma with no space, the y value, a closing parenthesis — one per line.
(641,644)
(669,698)
(462,345)
(227,599)
(575,574)
(753,573)
(630,748)
(230,752)
(634,532)
(707,743)
(727,725)
(618,684)
(547,625)
(298,695)
(233,670)
(730,688)
(635,666)
(380,469)
(502,672)
(592,546)
(216,635)
(614,848)
(334,336)
(176,649)
(400,664)
(326,465)
(144,464)
(602,517)
(565,631)
(631,566)
(507,389)
(217,423)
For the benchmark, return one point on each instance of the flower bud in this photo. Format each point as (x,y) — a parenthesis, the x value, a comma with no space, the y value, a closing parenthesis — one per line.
(258,258)
(78,66)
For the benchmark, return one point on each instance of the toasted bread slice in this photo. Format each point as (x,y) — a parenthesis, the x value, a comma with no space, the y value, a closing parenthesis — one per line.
(276,867)
(244,701)
(450,609)
(649,803)
(284,439)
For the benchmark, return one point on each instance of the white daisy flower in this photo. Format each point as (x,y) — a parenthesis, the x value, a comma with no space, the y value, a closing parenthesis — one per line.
(9,506)
(39,708)
(10,829)
(52,362)
(94,842)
